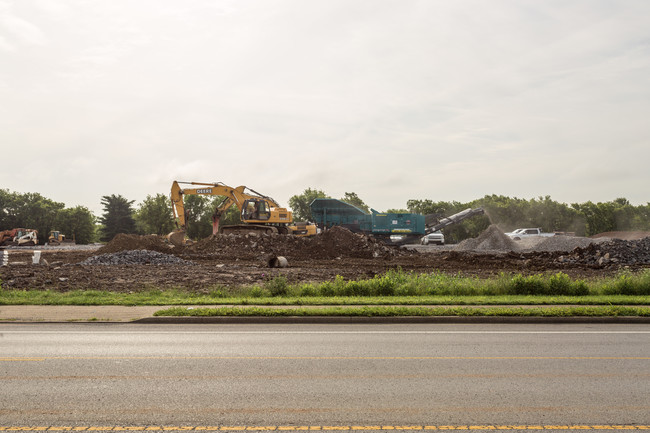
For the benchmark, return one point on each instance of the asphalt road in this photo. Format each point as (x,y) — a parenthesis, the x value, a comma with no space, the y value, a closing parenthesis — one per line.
(323,377)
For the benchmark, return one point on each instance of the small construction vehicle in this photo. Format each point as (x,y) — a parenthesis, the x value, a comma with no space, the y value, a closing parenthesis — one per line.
(19,237)
(259,213)
(57,238)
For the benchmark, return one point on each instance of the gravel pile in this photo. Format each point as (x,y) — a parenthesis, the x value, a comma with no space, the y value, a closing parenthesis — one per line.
(492,239)
(135,257)
(613,252)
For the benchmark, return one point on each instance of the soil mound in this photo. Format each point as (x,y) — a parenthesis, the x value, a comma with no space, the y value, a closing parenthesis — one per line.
(555,243)
(492,239)
(626,236)
(124,242)
(333,243)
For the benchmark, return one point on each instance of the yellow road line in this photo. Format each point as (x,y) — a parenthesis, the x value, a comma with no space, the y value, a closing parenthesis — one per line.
(22,359)
(324,428)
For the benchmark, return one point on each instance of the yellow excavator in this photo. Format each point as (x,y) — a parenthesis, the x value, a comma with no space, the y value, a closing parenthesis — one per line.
(259,213)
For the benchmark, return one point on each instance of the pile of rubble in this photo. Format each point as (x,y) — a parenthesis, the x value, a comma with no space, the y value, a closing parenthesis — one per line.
(491,240)
(615,252)
(135,257)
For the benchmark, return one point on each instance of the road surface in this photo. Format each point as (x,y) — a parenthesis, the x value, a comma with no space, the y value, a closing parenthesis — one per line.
(323,377)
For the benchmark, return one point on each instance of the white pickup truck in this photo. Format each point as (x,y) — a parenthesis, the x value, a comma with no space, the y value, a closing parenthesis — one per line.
(520,234)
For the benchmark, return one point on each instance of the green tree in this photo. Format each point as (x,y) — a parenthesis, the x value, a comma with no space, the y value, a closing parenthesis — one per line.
(353,199)
(199,211)
(8,204)
(299,204)
(232,216)
(599,217)
(197,224)
(154,215)
(117,217)
(29,210)
(77,223)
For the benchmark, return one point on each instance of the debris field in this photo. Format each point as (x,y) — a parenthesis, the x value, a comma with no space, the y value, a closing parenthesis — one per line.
(131,263)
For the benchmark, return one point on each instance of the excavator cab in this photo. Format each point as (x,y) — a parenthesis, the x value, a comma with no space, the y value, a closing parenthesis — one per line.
(258,210)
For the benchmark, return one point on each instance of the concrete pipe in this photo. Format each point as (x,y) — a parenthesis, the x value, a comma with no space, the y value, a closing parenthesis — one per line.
(278,262)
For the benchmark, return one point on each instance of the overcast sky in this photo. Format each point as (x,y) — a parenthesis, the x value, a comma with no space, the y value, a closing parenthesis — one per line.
(393,100)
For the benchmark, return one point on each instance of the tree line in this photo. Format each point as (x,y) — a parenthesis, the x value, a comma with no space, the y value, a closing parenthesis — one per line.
(154,215)
(583,219)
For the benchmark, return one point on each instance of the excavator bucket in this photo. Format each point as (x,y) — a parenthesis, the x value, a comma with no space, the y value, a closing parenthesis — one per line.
(177,238)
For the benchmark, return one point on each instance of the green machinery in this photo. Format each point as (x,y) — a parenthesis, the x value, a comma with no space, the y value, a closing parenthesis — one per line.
(402,227)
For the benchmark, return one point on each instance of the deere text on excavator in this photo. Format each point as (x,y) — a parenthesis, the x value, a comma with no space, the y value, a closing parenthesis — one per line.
(259,213)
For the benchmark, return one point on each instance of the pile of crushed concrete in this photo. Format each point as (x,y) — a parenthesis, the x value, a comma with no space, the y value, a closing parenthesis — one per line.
(333,243)
(614,252)
(491,240)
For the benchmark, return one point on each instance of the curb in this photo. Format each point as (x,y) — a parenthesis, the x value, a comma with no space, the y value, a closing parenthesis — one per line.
(390,320)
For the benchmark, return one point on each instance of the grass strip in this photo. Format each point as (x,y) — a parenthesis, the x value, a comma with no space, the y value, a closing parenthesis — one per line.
(178,297)
(395,287)
(390,311)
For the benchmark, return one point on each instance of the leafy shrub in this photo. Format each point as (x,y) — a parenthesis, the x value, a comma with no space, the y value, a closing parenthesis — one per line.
(627,283)
(216,294)
(277,286)
(559,284)
(258,292)
(307,290)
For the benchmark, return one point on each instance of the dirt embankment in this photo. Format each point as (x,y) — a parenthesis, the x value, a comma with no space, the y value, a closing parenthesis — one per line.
(133,263)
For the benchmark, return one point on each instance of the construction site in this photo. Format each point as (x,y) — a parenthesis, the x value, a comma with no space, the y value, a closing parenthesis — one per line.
(131,263)
(343,241)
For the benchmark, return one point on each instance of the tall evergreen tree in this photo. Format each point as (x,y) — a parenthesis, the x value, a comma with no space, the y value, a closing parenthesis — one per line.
(117,217)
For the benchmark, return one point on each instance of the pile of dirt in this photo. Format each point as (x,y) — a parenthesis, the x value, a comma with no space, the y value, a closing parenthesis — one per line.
(626,236)
(615,252)
(124,242)
(555,243)
(492,239)
(333,243)
(341,242)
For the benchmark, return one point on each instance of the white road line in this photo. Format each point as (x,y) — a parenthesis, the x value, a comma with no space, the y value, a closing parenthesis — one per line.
(135,332)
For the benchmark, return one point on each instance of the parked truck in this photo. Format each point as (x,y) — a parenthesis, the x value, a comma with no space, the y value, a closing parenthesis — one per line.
(520,234)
